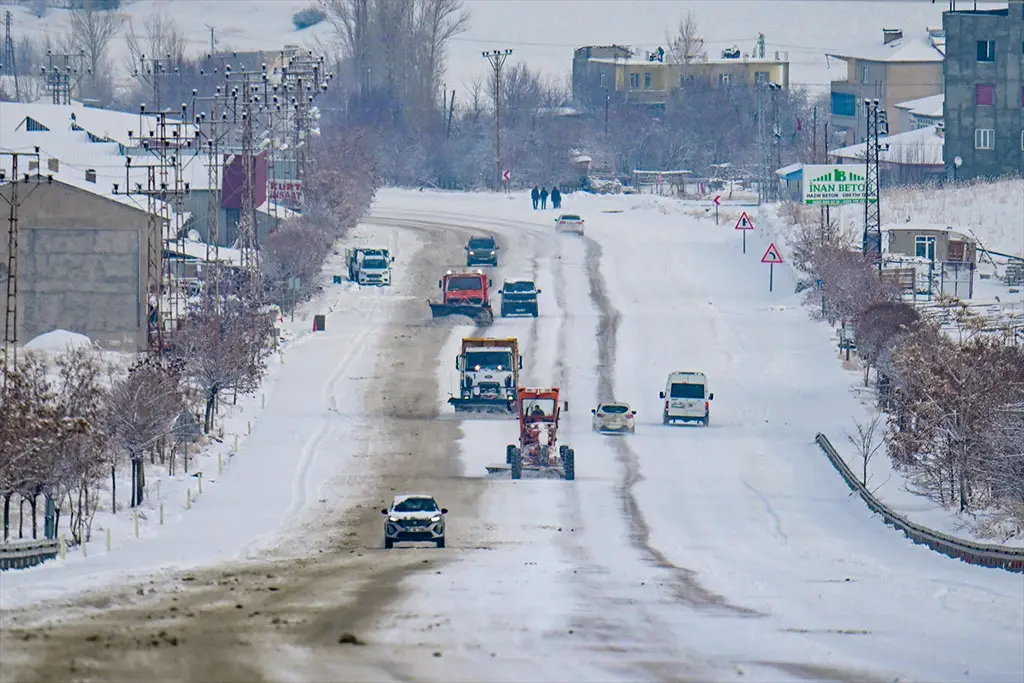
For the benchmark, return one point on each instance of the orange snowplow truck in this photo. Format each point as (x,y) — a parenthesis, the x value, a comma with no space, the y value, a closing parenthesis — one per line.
(464,292)
(538,450)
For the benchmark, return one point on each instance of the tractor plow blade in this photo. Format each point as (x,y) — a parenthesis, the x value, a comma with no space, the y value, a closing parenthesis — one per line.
(539,471)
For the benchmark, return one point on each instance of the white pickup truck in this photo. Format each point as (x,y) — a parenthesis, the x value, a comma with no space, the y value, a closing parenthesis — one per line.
(369,266)
(686,398)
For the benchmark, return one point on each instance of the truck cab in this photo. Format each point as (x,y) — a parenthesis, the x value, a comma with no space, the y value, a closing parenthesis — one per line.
(686,398)
(481,251)
(468,287)
(488,374)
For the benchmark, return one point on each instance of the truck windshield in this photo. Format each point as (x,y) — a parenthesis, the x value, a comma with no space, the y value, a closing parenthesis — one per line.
(490,360)
(416,505)
(375,264)
(539,407)
(464,284)
(687,391)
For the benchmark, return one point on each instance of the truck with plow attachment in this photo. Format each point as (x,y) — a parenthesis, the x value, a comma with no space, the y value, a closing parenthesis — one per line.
(538,449)
(488,376)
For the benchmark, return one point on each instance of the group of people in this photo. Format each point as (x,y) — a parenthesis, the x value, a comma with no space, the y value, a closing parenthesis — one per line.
(540,197)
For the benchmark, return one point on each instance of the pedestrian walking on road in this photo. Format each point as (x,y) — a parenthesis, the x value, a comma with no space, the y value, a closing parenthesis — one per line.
(535,196)
(556,198)
(543,197)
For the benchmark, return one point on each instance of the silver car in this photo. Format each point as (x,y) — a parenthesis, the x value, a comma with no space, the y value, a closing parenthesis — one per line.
(414,517)
(613,418)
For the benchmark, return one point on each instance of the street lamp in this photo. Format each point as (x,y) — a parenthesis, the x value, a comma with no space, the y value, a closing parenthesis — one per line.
(957,163)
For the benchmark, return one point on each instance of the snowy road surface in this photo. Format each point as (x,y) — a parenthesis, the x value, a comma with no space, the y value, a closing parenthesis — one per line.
(733,551)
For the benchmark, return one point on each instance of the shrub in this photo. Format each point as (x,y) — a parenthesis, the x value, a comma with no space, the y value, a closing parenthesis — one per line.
(311,16)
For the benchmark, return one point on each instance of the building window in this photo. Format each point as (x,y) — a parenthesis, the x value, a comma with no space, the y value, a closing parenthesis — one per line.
(634,81)
(647,80)
(924,247)
(844,104)
(760,77)
(986,50)
(984,138)
(864,75)
(723,79)
(984,94)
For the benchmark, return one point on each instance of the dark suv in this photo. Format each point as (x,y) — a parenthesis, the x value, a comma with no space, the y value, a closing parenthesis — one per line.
(519,296)
(481,251)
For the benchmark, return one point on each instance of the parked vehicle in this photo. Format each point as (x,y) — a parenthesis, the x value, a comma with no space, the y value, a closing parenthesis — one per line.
(569,222)
(613,418)
(464,292)
(414,517)
(686,398)
(481,251)
(488,375)
(519,297)
(369,266)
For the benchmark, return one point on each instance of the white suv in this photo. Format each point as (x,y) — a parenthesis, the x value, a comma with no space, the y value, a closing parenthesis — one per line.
(414,517)
(686,398)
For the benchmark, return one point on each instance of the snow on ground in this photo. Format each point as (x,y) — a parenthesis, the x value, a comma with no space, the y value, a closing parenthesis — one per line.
(748,509)
(272,480)
(59,341)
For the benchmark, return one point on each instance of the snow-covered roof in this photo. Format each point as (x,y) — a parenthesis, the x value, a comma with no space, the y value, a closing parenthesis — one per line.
(634,61)
(197,249)
(925,106)
(104,124)
(272,208)
(789,170)
(59,340)
(921,147)
(913,48)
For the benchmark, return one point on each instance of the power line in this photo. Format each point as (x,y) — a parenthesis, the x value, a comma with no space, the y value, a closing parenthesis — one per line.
(497,58)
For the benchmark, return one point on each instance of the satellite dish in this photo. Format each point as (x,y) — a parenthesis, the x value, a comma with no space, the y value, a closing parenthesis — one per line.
(194,235)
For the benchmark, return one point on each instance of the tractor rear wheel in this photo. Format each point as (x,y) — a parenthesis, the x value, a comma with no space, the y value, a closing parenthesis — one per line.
(569,465)
(517,463)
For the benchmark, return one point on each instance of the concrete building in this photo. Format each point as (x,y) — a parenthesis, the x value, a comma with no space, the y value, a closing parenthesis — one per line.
(896,69)
(910,158)
(82,264)
(614,71)
(919,113)
(984,106)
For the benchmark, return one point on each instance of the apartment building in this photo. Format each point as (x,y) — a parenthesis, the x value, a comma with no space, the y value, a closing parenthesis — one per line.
(984,104)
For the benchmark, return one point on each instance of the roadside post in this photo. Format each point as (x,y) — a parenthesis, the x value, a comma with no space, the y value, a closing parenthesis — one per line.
(716,201)
(743,224)
(771,257)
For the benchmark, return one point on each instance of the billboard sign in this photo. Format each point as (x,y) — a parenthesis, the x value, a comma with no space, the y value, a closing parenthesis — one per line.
(834,184)
(285,191)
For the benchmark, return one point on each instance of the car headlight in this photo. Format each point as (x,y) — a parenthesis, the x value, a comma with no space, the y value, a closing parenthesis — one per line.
(435,518)
(392,519)
(492,252)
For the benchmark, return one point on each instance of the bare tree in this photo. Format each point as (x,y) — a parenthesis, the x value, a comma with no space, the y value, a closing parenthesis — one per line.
(686,44)
(868,440)
(295,250)
(90,32)
(141,411)
(879,328)
(161,37)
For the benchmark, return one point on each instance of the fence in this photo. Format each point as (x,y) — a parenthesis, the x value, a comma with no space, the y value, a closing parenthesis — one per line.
(21,554)
(1010,559)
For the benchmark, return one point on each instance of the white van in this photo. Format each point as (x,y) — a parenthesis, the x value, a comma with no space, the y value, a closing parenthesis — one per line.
(686,398)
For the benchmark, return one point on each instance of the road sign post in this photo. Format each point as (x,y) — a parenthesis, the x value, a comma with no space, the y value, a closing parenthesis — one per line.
(771,257)
(743,224)
(715,200)
(506,177)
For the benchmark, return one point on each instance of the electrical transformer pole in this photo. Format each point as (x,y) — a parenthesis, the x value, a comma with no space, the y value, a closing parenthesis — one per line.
(497,60)
(876,126)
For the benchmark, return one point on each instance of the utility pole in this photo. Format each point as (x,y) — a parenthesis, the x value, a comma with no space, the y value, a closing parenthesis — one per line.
(9,65)
(775,160)
(876,126)
(762,144)
(14,203)
(607,102)
(497,58)
(62,74)
(212,42)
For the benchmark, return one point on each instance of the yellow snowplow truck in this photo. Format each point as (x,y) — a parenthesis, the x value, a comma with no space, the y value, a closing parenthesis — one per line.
(488,375)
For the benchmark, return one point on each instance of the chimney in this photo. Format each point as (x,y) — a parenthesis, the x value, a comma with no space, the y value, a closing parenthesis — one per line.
(891,35)
(90,175)
(53,164)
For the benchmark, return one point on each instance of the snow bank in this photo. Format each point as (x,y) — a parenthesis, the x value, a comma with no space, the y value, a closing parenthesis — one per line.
(59,340)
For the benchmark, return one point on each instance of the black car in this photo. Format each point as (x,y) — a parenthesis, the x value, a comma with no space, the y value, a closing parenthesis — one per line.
(519,296)
(481,251)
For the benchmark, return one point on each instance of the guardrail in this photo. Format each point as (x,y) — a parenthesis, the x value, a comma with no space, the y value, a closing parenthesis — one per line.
(21,554)
(1010,559)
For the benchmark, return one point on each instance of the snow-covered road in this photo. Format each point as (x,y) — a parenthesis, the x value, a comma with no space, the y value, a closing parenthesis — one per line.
(722,553)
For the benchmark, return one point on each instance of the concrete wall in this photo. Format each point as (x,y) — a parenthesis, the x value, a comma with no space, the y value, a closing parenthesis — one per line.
(82,265)
(889,83)
(963,72)
(904,242)
(909,81)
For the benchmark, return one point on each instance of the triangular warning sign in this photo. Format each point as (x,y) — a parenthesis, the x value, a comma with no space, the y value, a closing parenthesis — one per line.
(744,223)
(771,255)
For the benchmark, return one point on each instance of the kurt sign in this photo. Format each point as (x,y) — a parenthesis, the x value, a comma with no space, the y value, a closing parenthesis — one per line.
(285,191)
(834,184)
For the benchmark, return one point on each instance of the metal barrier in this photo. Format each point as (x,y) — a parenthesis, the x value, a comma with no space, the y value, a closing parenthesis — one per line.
(21,554)
(1010,559)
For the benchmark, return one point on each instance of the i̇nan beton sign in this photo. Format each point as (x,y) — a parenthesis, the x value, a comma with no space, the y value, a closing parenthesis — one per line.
(834,184)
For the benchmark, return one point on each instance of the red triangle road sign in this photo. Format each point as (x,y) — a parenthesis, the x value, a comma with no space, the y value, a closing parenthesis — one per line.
(744,223)
(771,255)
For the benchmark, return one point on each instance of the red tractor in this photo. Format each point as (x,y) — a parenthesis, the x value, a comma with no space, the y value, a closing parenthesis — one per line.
(464,292)
(538,450)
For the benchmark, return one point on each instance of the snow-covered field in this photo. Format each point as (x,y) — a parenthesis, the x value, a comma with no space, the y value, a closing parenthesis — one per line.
(545,34)
(722,553)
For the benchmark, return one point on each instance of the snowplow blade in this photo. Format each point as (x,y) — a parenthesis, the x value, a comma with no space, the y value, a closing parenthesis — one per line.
(482,316)
(482,405)
(549,472)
